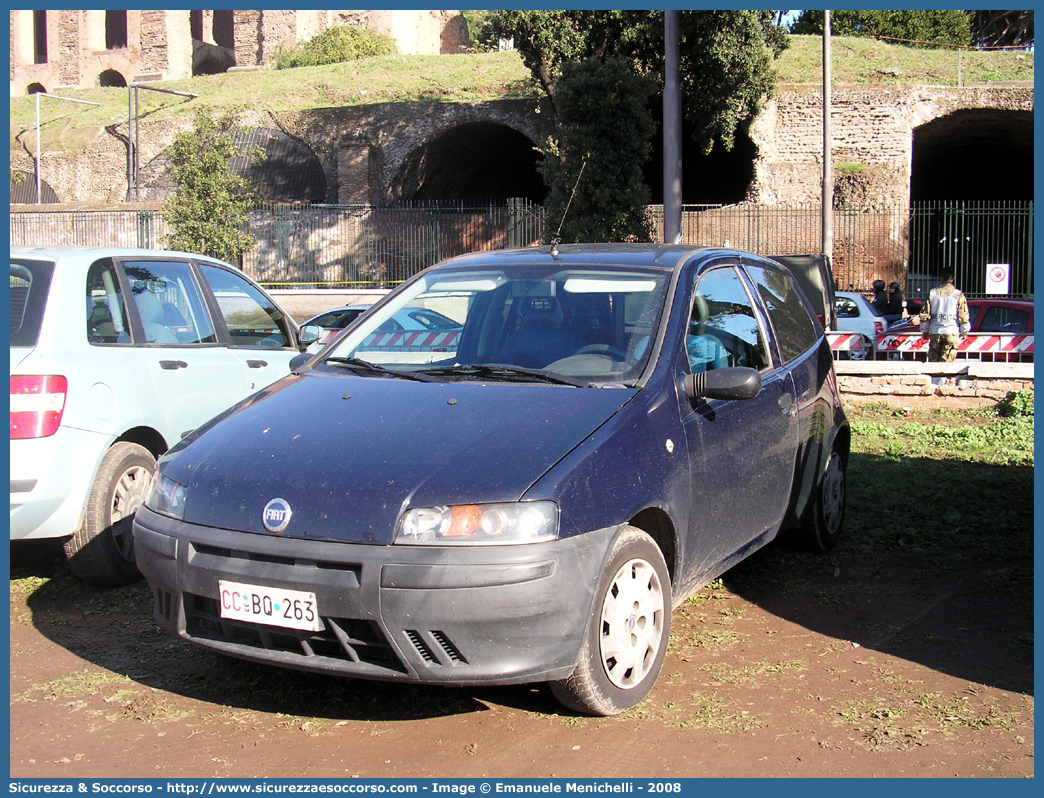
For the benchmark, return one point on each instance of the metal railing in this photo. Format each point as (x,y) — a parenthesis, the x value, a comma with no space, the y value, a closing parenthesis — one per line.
(364,245)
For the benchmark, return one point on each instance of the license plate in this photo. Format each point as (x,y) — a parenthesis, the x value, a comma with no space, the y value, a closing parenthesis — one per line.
(275,606)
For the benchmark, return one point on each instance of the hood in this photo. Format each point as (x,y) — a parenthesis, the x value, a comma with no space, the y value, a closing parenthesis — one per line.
(349,453)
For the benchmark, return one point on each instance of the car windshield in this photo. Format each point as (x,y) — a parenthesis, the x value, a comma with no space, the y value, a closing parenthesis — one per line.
(588,325)
(30,281)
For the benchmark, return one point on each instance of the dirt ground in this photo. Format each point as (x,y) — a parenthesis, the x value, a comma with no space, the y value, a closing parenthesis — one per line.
(879,661)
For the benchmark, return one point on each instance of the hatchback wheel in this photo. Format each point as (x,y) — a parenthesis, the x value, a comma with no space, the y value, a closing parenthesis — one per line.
(101,552)
(823,527)
(626,637)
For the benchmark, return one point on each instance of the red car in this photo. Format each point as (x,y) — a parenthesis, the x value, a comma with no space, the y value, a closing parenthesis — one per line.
(1001,316)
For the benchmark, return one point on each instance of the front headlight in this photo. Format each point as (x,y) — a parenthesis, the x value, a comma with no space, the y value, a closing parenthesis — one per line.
(167,497)
(479,524)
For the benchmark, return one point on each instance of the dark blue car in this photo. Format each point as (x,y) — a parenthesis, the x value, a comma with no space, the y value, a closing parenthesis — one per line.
(522,500)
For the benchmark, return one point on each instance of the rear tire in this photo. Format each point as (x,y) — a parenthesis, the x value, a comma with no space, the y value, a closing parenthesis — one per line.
(822,529)
(101,552)
(627,634)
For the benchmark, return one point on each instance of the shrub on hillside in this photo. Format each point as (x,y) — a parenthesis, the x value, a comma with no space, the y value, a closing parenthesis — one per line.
(335,46)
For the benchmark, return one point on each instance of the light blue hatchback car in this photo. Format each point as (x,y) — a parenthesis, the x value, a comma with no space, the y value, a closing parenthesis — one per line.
(115,355)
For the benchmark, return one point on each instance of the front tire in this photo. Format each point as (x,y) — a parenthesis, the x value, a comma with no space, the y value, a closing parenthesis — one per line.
(101,552)
(627,634)
(822,529)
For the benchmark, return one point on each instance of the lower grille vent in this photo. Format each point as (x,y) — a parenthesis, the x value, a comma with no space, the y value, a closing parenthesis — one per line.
(447,645)
(163,602)
(422,648)
(450,653)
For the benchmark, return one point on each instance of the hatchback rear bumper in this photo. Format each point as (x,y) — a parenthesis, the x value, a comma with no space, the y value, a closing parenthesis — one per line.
(476,615)
(51,480)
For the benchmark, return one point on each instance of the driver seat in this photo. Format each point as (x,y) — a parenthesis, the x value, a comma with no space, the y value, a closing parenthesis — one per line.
(540,338)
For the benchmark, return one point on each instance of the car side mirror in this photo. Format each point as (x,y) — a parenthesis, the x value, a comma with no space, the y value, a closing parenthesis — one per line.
(299,360)
(738,382)
(310,334)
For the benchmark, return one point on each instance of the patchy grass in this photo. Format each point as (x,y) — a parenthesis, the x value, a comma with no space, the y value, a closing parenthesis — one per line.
(857,60)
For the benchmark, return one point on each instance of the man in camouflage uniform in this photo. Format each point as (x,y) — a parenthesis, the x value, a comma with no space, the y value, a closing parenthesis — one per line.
(944,320)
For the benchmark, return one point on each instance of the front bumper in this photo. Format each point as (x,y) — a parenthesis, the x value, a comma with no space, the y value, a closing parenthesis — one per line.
(483,615)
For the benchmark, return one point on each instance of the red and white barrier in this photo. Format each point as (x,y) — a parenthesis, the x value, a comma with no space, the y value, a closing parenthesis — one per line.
(421,341)
(846,342)
(997,346)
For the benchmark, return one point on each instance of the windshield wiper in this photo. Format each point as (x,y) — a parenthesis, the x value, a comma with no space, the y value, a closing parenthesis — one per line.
(506,371)
(374,368)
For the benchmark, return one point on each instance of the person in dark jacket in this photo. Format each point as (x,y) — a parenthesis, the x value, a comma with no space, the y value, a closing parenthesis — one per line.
(880,301)
(894,309)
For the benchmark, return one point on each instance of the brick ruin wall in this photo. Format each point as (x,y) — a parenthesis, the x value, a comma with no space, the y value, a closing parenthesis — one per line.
(160,43)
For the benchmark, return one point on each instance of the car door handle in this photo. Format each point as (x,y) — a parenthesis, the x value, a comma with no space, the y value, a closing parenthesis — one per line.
(257,364)
(171,365)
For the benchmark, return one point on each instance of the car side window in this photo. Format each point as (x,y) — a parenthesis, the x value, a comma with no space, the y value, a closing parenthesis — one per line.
(169,303)
(795,330)
(1006,320)
(723,327)
(250,316)
(107,320)
(847,309)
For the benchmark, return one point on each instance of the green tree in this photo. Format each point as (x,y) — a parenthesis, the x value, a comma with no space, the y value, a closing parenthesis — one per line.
(480,31)
(604,129)
(208,210)
(725,56)
(939,27)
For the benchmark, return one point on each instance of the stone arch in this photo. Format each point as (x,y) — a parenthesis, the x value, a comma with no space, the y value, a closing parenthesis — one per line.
(111,78)
(973,154)
(23,189)
(290,171)
(472,161)
(35,88)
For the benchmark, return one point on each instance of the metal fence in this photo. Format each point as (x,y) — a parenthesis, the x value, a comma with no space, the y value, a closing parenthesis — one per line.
(345,245)
(966,237)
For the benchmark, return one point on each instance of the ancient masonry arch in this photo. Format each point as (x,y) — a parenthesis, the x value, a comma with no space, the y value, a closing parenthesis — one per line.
(874,130)
(366,151)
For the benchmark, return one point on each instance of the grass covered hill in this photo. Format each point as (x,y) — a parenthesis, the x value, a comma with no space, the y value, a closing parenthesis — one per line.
(468,79)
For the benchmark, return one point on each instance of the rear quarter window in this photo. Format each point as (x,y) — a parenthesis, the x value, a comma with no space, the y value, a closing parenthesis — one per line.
(795,330)
(30,283)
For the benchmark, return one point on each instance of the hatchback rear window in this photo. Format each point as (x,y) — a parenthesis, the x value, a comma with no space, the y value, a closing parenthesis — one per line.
(30,281)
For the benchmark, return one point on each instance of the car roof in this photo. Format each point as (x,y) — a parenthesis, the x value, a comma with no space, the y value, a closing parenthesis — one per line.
(1003,300)
(657,256)
(90,253)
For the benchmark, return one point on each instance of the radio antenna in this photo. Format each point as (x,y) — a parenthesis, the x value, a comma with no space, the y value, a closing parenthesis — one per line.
(558,236)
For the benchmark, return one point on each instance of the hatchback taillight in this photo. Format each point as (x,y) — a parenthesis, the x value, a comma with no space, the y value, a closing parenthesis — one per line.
(878,328)
(36,405)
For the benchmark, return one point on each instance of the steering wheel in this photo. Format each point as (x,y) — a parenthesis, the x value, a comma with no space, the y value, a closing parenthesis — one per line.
(603,349)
